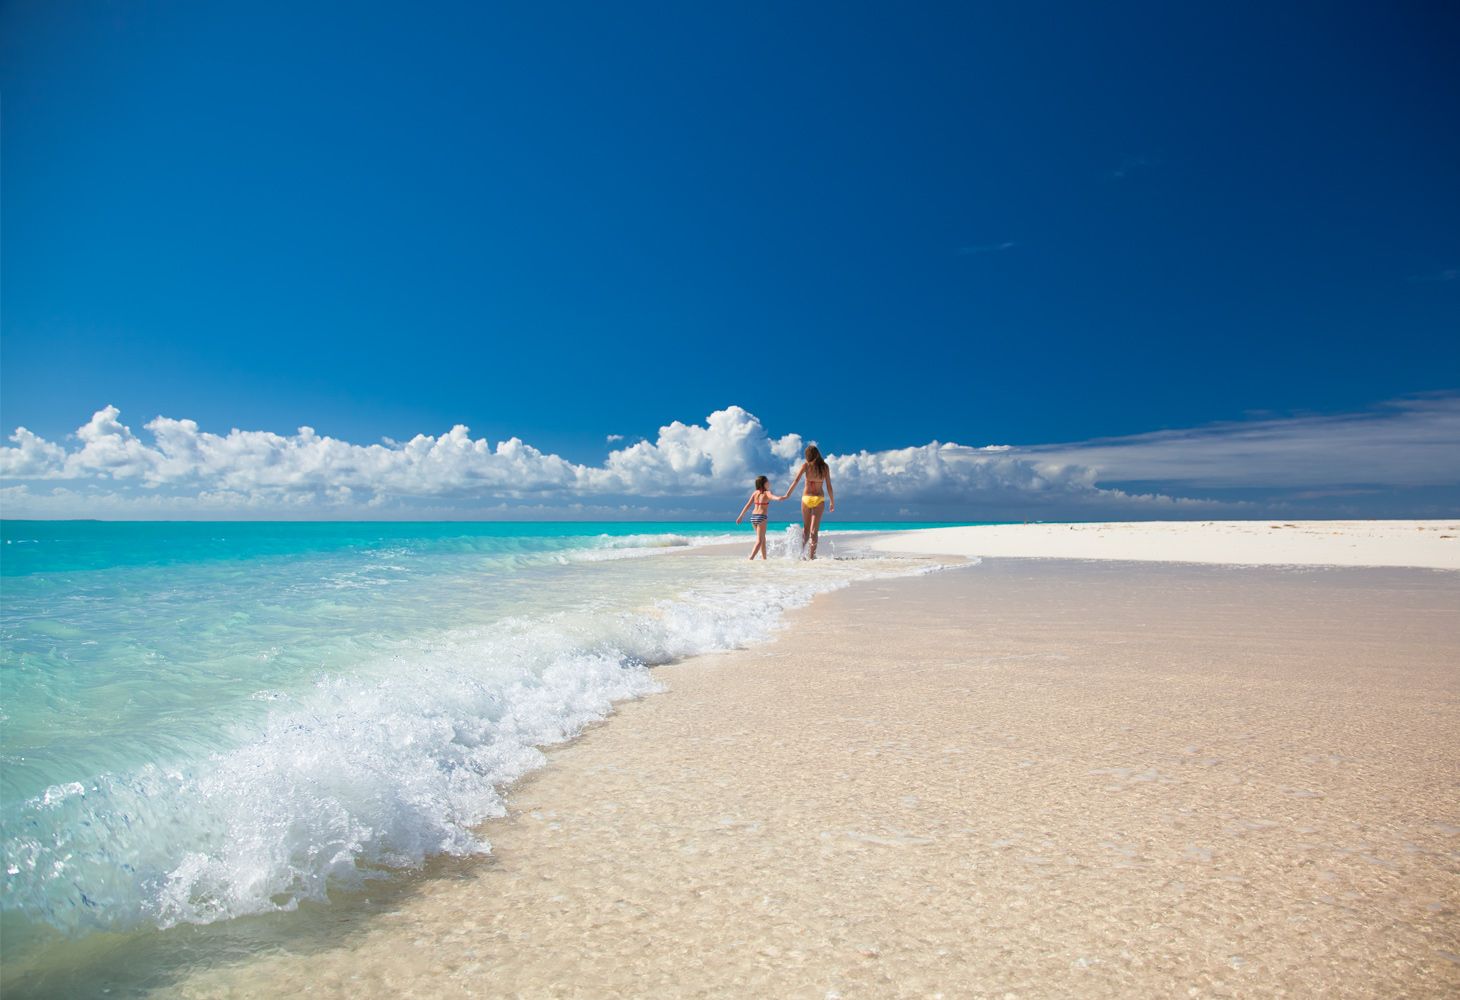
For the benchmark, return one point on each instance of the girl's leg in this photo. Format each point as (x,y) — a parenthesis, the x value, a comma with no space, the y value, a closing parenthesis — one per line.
(806,516)
(760,530)
(815,530)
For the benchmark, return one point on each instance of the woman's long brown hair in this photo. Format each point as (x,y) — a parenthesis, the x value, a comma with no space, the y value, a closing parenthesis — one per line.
(814,461)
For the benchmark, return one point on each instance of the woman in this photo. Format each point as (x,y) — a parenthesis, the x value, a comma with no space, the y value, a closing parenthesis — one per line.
(818,490)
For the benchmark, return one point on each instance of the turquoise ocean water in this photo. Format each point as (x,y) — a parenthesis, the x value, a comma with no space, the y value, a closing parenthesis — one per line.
(207,721)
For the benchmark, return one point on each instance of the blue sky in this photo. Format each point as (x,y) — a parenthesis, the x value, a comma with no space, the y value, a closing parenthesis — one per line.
(1029,225)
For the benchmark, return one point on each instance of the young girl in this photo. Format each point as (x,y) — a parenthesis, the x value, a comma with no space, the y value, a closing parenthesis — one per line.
(761,499)
(818,490)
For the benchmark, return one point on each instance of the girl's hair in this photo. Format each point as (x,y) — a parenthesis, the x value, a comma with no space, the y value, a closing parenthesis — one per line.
(814,461)
(760,482)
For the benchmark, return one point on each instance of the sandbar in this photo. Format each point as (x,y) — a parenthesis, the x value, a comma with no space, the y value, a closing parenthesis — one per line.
(1018,778)
(1433,544)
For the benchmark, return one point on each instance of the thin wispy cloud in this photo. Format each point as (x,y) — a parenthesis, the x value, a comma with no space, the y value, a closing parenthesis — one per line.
(1406,443)
(986,248)
(614,437)
(1446,274)
(1130,165)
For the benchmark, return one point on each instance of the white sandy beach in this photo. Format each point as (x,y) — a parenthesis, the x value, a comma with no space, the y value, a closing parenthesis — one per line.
(1015,779)
(1431,544)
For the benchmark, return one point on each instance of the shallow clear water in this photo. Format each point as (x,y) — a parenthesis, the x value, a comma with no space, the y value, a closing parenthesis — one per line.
(207,721)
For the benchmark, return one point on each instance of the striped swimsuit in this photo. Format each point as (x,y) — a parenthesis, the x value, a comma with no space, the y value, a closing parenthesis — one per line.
(760,518)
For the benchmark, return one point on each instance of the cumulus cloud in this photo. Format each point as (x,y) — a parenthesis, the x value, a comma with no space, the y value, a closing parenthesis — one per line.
(729,448)
(183,468)
(178,469)
(266,464)
(32,457)
(254,467)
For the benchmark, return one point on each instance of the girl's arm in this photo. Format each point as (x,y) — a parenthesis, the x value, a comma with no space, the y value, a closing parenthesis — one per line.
(744,509)
(799,474)
(830,497)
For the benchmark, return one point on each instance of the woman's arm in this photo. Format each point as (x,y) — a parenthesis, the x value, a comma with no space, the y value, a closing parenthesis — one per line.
(830,497)
(799,474)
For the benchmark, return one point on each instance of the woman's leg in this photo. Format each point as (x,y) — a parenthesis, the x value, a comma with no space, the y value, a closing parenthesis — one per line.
(806,517)
(814,527)
(760,531)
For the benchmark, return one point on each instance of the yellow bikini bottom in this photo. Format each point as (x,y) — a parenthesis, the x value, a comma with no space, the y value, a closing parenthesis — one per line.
(811,501)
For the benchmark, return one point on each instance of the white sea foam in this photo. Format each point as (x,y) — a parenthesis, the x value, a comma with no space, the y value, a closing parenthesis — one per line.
(372,769)
(607,547)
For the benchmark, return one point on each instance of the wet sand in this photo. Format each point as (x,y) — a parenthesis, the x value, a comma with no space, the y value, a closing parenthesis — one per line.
(1022,778)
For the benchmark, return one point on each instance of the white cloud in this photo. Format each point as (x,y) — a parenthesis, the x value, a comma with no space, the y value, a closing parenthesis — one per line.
(991,478)
(729,449)
(688,469)
(614,438)
(1131,165)
(686,459)
(1406,443)
(986,248)
(32,456)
